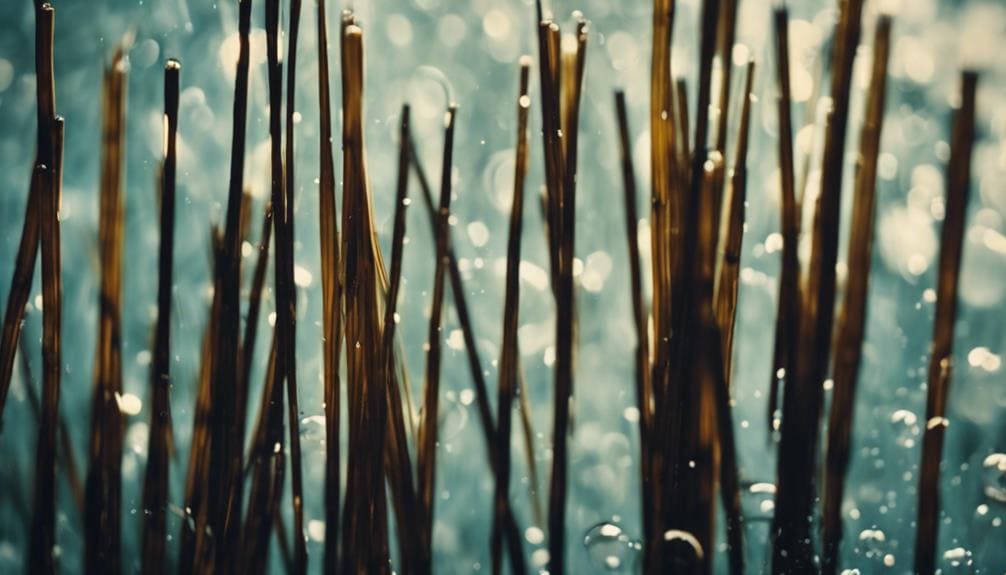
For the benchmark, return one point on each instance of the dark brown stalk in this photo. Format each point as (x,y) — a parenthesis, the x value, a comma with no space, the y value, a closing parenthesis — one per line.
(662,147)
(49,158)
(683,151)
(226,451)
(66,458)
(103,491)
(331,290)
(563,221)
(688,413)
(155,486)
(727,34)
(193,535)
(725,294)
(852,320)
(397,460)
(941,357)
(286,303)
(20,287)
(512,532)
(644,392)
(254,312)
(428,425)
(364,528)
(268,467)
(732,234)
(802,398)
(509,365)
(787,318)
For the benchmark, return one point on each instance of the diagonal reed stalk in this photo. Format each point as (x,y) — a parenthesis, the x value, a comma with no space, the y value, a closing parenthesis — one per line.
(396,452)
(103,490)
(511,530)
(787,317)
(331,289)
(941,355)
(155,486)
(49,160)
(429,424)
(509,355)
(852,319)
(802,397)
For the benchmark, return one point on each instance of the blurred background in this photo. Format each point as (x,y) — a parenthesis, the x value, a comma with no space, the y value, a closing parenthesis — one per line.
(430,52)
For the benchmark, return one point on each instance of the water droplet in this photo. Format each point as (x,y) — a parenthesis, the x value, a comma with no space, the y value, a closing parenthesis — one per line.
(873,542)
(905,426)
(957,560)
(610,549)
(994,477)
(685,551)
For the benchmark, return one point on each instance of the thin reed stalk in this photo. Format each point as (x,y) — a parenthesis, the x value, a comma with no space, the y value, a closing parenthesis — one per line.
(397,461)
(155,486)
(509,364)
(49,160)
(644,391)
(802,398)
(429,424)
(941,355)
(364,527)
(103,490)
(226,448)
(787,316)
(286,303)
(852,319)
(331,289)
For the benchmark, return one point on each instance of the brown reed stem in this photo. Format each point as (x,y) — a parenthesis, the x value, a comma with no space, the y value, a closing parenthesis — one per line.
(103,491)
(331,289)
(852,319)
(287,302)
(429,425)
(509,364)
(787,316)
(644,391)
(49,158)
(155,486)
(512,531)
(941,356)
(396,453)
(802,398)
(227,448)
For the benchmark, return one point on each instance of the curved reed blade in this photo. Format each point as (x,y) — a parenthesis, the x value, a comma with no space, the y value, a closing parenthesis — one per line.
(49,160)
(644,391)
(509,364)
(155,486)
(941,357)
(331,290)
(852,319)
(802,397)
(103,495)
(787,319)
